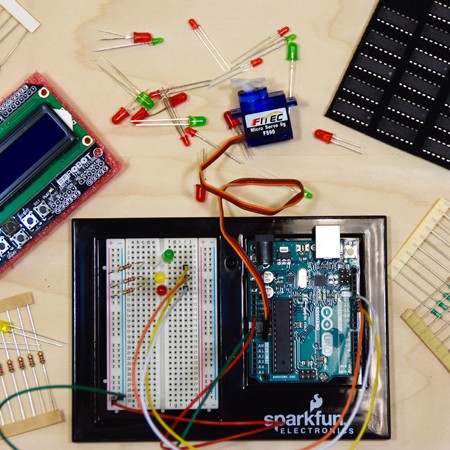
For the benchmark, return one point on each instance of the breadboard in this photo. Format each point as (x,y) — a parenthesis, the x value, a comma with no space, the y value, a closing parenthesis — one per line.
(184,360)
(422,269)
(23,366)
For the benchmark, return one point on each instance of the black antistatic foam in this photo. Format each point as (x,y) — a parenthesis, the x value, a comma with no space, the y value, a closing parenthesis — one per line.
(396,87)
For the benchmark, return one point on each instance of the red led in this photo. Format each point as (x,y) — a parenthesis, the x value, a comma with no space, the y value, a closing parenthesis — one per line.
(161,289)
(190,131)
(120,116)
(283,31)
(185,140)
(155,94)
(140,37)
(323,135)
(193,23)
(200,193)
(177,99)
(230,120)
(256,62)
(330,138)
(141,114)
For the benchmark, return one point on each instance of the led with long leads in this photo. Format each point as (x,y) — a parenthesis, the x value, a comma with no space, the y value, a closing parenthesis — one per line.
(122,80)
(191,121)
(152,42)
(200,191)
(275,46)
(7,327)
(182,88)
(195,133)
(236,128)
(330,138)
(137,36)
(209,45)
(173,115)
(292,57)
(236,71)
(138,113)
(262,45)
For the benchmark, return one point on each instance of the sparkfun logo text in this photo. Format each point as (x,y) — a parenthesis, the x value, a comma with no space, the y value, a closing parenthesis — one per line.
(310,422)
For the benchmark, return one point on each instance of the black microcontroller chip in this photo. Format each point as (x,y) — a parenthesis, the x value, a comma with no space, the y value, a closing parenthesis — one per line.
(282,336)
(319,280)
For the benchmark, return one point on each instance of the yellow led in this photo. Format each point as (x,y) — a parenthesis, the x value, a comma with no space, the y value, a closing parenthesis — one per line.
(159,277)
(5,327)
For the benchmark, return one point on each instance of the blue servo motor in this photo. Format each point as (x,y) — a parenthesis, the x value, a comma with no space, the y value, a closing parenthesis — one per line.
(265,116)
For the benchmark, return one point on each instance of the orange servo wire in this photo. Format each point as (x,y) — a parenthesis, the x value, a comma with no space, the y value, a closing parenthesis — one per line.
(222,194)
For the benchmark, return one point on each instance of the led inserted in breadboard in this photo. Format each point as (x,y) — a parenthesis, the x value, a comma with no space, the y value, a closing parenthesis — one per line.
(422,269)
(184,361)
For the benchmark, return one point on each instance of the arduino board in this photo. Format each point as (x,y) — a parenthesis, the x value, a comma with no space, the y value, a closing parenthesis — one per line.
(311,336)
(49,163)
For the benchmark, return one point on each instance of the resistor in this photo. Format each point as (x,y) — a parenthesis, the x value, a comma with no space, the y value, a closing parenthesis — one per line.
(442,305)
(1,371)
(10,366)
(126,281)
(436,313)
(125,292)
(31,360)
(21,363)
(41,357)
(124,267)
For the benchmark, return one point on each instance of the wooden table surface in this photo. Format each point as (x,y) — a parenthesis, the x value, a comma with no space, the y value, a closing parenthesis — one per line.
(159,174)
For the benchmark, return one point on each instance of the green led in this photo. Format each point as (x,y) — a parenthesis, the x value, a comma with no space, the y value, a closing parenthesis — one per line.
(168,255)
(436,313)
(157,40)
(145,100)
(308,195)
(290,38)
(292,51)
(197,121)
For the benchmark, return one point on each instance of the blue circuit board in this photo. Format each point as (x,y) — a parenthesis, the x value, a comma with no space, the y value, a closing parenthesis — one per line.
(311,334)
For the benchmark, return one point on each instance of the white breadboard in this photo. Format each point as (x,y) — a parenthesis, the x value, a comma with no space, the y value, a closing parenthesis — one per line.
(185,358)
(422,269)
